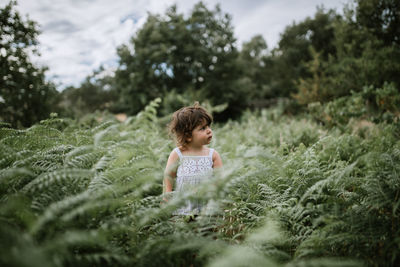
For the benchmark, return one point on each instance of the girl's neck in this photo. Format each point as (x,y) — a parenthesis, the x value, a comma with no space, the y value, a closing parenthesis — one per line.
(194,148)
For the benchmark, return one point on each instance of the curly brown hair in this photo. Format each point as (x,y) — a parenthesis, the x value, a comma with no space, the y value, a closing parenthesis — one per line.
(185,120)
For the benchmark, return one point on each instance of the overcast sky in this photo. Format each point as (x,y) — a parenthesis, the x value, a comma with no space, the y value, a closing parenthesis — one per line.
(80,35)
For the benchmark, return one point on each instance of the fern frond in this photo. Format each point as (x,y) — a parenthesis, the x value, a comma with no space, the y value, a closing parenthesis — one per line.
(13,179)
(103,162)
(102,126)
(55,209)
(59,177)
(109,132)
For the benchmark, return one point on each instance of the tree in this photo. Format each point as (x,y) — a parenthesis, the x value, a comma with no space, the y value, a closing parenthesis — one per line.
(95,93)
(313,89)
(253,63)
(368,47)
(25,96)
(381,18)
(289,60)
(366,53)
(174,54)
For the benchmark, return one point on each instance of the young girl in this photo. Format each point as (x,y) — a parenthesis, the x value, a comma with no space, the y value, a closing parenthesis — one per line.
(191,161)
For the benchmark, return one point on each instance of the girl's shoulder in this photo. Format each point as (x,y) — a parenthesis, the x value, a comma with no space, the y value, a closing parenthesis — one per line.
(174,155)
(214,153)
(216,158)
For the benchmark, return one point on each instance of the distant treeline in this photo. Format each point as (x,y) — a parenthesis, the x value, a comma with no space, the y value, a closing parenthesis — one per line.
(326,60)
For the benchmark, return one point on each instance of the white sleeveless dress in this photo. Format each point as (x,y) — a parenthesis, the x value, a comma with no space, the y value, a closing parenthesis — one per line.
(192,170)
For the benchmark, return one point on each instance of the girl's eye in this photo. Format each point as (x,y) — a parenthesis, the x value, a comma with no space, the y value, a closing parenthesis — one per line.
(203,128)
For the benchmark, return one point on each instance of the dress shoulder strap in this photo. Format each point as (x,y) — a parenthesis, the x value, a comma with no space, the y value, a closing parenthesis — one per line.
(178,151)
(211,152)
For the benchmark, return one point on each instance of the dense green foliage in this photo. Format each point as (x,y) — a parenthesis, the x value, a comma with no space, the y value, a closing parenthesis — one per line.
(183,58)
(196,57)
(290,58)
(94,94)
(321,188)
(25,96)
(291,193)
(171,54)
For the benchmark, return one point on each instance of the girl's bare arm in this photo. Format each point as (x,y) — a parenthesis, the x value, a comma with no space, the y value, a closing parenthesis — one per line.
(217,162)
(170,172)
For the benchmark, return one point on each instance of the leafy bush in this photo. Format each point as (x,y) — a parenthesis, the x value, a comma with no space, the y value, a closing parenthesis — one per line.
(372,104)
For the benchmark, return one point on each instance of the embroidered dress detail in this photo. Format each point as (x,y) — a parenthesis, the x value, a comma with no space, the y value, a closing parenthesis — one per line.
(192,170)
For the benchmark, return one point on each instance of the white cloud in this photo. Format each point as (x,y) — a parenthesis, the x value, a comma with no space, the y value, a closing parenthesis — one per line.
(80,35)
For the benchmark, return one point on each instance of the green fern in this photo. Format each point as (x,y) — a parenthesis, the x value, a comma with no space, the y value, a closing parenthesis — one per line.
(291,193)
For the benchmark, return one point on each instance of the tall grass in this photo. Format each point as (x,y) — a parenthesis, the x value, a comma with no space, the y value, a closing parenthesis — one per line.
(291,193)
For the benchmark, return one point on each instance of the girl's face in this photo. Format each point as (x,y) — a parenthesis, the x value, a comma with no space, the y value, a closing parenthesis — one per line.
(201,135)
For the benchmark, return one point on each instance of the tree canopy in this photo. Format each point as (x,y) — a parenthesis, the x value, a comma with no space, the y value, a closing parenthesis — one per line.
(25,95)
(174,54)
